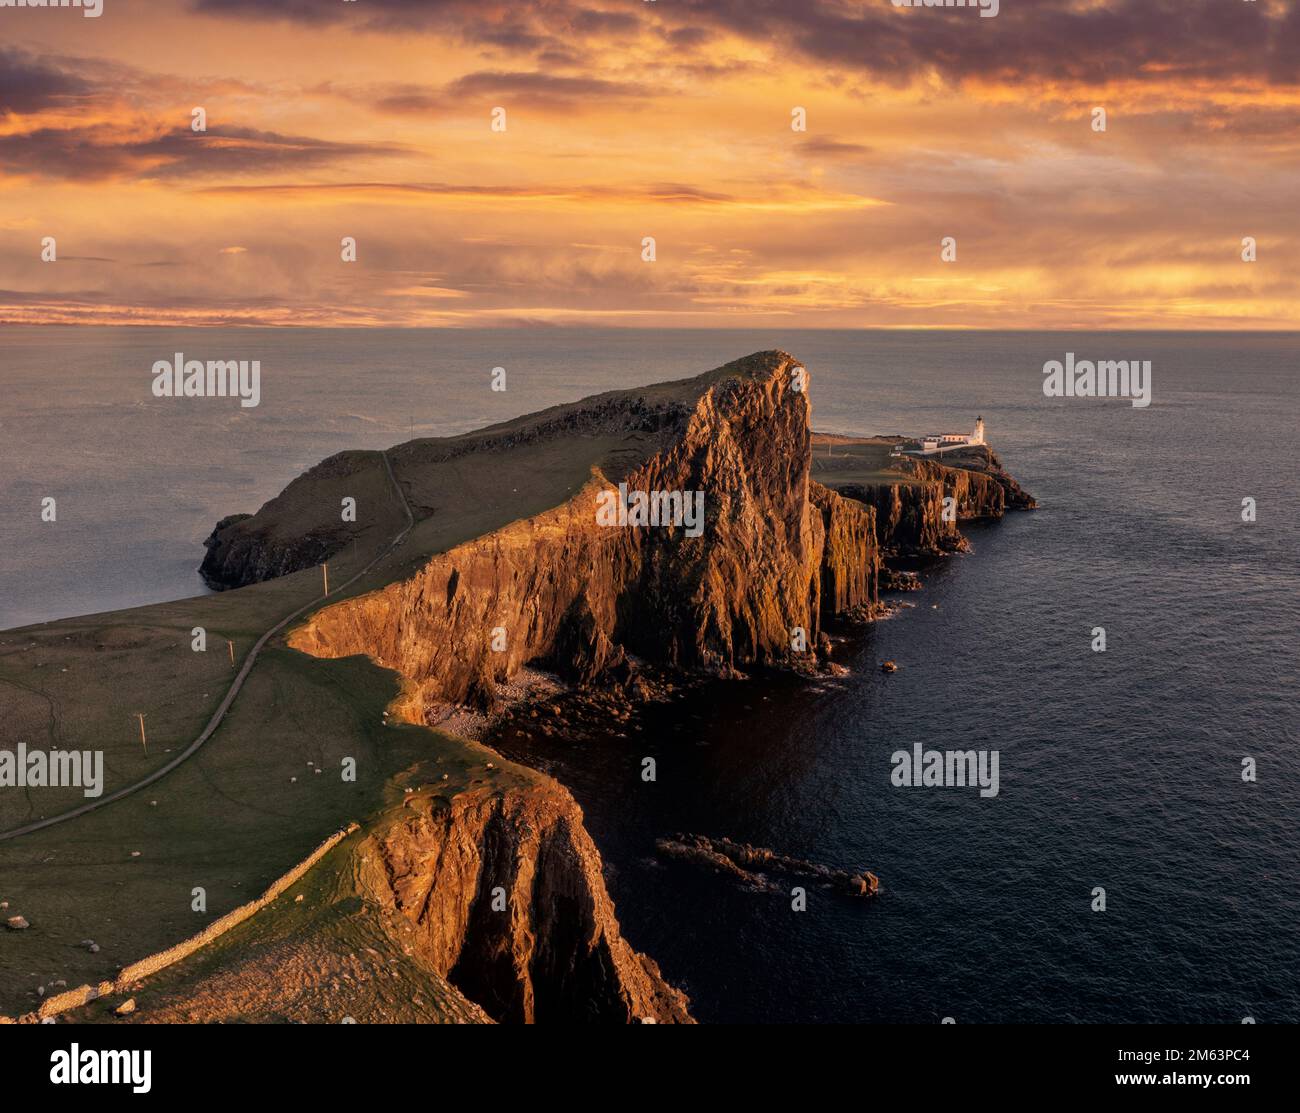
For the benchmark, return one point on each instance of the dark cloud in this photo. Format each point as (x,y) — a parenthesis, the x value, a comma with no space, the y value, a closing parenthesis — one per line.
(675,192)
(1284,55)
(668,193)
(1094,42)
(621,22)
(532,88)
(1046,39)
(43,297)
(688,36)
(30,84)
(490,22)
(828,147)
(298,11)
(542,86)
(558,59)
(96,153)
(405,100)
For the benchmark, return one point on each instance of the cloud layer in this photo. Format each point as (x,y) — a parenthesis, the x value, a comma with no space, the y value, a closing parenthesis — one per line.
(501,162)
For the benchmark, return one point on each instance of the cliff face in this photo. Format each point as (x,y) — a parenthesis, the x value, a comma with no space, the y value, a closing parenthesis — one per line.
(531,581)
(909,512)
(851,556)
(981,461)
(909,517)
(562,589)
(454,906)
(504,895)
(731,596)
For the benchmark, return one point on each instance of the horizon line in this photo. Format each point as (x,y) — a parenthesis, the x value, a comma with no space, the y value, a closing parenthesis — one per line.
(540,326)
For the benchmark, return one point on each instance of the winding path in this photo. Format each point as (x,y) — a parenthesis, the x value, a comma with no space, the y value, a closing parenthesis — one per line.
(219,715)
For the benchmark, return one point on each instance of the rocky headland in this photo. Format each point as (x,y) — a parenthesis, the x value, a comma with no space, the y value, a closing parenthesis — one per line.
(793,541)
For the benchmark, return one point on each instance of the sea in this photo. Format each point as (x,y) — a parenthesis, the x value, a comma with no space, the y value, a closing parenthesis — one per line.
(1140,861)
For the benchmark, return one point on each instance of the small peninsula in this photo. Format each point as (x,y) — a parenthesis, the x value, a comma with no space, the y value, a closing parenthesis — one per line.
(359,857)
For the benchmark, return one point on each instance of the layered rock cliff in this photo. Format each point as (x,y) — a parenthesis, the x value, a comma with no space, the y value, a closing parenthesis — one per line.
(909,509)
(850,567)
(503,895)
(466,904)
(909,517)
(562,589)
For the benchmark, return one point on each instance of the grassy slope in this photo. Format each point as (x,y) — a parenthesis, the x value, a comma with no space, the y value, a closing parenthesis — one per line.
(317,954)
(865,460)
(80,682)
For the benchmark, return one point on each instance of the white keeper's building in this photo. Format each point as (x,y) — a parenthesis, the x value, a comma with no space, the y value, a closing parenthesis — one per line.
(937,442)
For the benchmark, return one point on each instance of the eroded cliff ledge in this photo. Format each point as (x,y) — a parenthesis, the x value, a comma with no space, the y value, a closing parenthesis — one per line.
(907,493)
(476,898)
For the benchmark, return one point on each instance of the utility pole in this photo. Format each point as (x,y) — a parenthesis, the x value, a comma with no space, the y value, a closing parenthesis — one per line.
(231,646)
(143,743)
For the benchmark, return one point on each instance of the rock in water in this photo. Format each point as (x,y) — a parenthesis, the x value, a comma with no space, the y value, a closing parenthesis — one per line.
(752,863)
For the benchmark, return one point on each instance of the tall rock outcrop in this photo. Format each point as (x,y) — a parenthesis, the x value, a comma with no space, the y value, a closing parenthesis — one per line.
(505,895)
(561,588)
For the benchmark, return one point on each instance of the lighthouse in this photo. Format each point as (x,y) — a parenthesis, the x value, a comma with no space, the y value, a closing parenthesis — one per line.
(978,437)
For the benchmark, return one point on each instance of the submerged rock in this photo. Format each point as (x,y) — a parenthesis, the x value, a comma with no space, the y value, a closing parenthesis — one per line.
(752,864)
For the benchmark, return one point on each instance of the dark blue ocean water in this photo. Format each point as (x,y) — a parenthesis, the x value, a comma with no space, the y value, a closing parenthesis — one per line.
(1119,769)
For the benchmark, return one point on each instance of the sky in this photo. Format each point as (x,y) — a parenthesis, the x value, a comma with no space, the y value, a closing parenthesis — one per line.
(670,119)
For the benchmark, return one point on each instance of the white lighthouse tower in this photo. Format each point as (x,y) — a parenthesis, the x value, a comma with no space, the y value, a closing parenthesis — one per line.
(978,438)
